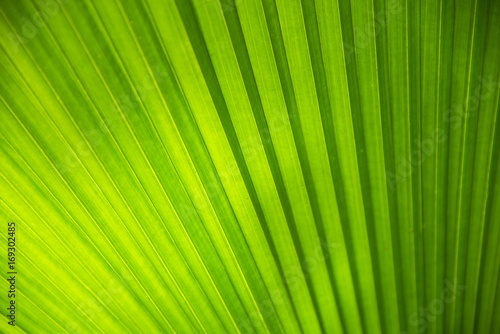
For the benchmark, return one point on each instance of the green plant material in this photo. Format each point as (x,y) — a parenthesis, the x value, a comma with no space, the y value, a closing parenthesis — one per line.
(269,166)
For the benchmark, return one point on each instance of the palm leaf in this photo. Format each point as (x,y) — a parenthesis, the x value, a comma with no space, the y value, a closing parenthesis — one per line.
(250,166)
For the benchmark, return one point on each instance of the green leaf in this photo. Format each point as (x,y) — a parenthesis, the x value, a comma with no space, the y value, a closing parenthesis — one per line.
(240,166)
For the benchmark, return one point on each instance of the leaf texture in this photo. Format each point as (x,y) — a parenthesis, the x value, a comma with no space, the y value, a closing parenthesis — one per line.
(241,166)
